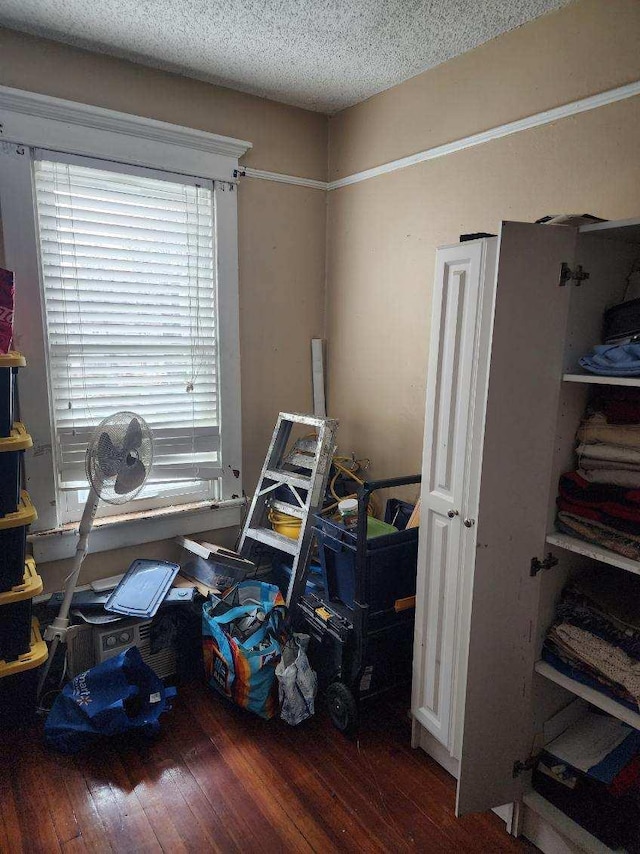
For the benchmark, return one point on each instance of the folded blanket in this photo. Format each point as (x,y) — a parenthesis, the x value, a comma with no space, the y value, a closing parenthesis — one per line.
(613,663)
(597,429)
(613,453)
(576,489)
(589,463)
(612,592)
(630,479)
(617,360)
(583,674)
(591,532)
(623,520)
(578,610)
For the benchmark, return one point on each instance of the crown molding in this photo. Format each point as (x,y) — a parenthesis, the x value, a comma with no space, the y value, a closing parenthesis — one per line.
(72,113)
(279,178)
(602,99)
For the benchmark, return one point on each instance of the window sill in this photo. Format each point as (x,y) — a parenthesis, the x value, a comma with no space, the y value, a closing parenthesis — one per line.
(132,529)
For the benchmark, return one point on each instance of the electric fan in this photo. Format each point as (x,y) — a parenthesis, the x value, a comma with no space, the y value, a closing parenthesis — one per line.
(117,462)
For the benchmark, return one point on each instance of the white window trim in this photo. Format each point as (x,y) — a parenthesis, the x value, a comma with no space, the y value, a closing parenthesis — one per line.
(29,121)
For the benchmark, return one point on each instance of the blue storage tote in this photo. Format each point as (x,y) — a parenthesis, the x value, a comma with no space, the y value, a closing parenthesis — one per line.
(19,683)
(13,543)
(15,614)
(389,572)
(9,365)
(12,450)
(281,574)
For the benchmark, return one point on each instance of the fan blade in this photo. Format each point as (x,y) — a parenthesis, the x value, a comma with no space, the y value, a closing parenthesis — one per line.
(133,436)
(130,477)
(109,457)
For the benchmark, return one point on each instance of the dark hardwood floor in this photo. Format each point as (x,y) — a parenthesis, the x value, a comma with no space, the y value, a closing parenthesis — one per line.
(219,779)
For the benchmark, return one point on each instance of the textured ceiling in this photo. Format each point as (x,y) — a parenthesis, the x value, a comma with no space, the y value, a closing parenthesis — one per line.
(320,54)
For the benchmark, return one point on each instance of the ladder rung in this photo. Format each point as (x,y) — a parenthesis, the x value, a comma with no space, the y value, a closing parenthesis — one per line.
(273,539)
(290,509)
(310,420)
(308,445)
(289,478)
(303,461)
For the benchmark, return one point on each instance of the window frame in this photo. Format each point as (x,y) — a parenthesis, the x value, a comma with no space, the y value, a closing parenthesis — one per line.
(29,122)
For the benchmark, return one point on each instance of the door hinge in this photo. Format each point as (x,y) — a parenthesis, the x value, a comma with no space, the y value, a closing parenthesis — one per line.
(547,563)
(519,767)
(567,275)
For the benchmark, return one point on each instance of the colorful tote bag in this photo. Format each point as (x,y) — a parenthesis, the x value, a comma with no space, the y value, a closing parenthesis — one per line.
(242,646)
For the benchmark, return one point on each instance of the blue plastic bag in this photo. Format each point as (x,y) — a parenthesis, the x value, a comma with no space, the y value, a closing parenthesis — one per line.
(242,647)
(121,695)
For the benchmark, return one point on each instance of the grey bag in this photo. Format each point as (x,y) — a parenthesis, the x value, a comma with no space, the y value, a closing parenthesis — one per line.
(297,682)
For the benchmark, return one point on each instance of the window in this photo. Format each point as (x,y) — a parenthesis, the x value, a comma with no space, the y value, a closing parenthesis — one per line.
(128,273)
(126,297)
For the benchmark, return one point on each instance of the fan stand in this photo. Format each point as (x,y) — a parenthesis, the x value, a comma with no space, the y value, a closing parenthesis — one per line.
(56,632)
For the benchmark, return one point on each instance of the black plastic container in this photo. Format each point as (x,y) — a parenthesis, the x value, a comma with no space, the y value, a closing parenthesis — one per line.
(13,543)
(364,646)
(15,614)
(19,684)
(388,565)
(12,450)
(9,366)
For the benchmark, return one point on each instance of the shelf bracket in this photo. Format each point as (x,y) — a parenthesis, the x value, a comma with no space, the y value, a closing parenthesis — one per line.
(577,276)
(538,565)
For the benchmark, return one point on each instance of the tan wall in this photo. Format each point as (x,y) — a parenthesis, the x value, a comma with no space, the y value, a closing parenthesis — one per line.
(582,49)
(281,227)
(383,233)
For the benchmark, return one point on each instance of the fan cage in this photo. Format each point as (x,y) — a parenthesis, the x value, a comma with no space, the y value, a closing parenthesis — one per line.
(110,465)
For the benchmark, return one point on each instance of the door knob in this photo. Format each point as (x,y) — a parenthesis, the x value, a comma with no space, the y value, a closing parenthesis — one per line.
(452,513)
(469,523)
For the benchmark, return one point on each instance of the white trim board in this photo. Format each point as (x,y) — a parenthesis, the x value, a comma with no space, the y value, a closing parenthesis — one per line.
(584,105)
(40,121)
(279,178)
(611,96)
(23,115)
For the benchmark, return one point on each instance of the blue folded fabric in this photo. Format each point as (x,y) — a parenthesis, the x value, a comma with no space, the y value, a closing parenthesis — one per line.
(621,360)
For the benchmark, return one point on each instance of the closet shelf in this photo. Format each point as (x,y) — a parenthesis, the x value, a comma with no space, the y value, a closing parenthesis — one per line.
(596,698)
(598,380)
(573,544)
(564,825)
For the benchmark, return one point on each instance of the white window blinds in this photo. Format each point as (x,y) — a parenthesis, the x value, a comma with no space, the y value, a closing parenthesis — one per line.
(129,274)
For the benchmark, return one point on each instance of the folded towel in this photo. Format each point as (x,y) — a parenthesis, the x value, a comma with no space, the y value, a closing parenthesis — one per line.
(597,429)
(613,453)
(589,463)
(612,476)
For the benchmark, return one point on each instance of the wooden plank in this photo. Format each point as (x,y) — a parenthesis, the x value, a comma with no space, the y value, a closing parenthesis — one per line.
(220,779)
(116,801)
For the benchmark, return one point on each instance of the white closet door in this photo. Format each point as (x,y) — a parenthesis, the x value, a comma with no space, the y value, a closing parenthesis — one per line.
(449,388)
(525,376)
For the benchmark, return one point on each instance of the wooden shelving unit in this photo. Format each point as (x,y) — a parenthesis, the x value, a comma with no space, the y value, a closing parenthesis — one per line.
(565,826)
(593,551)
(596,379)
(596,698)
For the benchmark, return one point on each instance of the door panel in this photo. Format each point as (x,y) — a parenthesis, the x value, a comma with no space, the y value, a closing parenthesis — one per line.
(525,375)
(456,288)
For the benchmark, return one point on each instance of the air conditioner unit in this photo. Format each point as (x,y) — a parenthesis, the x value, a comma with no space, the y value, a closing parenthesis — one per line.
(88,645)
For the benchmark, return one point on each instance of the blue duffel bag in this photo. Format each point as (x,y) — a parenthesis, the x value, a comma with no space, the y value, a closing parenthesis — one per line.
(121,695)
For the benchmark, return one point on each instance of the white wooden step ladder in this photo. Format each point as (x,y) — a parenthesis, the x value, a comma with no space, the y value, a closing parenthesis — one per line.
(293,481)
